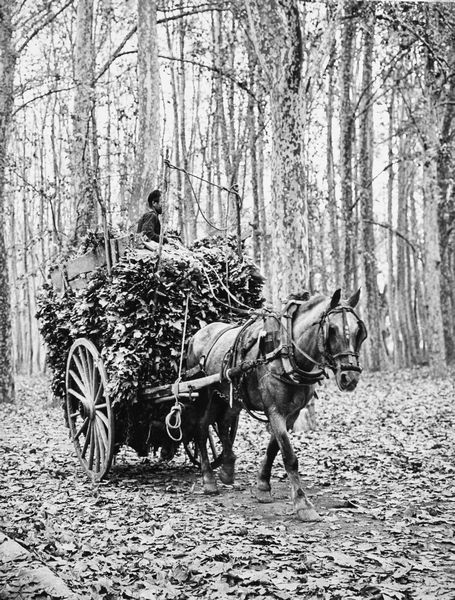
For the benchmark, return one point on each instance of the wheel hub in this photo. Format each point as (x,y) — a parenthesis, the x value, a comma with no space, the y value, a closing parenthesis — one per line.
(87,410)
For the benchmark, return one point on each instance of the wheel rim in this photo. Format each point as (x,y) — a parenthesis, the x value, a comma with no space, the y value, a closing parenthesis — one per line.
(215,449)
(89,411)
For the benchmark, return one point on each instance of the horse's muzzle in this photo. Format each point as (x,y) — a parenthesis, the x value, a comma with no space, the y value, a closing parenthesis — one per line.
(347,380)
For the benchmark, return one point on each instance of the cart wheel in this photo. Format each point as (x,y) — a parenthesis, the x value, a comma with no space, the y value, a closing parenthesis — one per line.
(215,449)
(89,411)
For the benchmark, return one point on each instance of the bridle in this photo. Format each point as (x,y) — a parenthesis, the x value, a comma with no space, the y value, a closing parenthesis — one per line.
(352,353)
(287,350)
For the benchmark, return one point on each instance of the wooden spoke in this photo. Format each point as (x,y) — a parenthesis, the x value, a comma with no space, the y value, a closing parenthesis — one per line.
(86,385)
(102,441)
(82,373)
(96,449)
(86,443)
(97,385)
(88,361)
(102,432)
(73,392)
(78,382)
(103,417)
(98,393)
(91,450)
(82,427)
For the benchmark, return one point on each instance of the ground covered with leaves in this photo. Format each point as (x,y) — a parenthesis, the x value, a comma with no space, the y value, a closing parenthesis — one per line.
(386,452)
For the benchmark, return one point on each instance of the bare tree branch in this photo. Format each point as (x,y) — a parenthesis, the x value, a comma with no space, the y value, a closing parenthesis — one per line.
(42,25)
(44,95)
(118,51)
(394,231)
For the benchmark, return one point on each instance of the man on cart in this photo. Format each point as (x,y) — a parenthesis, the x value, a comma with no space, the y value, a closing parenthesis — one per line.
(150,224)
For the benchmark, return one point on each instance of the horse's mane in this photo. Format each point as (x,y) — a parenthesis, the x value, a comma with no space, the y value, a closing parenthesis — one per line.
(314,301)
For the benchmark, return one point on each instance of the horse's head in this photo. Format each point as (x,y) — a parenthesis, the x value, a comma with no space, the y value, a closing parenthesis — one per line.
(343,333)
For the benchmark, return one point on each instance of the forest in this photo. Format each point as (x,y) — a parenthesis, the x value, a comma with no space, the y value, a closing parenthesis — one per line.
(318,139)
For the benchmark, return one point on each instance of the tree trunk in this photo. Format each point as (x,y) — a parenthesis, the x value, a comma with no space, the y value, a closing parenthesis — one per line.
(434,332)
(446,212)
(189,215)
(347,141)
(254,177)
(7,68)
(84,97)
(366,196)
(265,239)
(148,122)
(330,166)
(277,37)
(432,272)
(404,293)
(391,291)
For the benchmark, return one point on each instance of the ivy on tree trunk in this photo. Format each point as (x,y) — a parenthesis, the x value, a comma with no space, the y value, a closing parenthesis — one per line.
(277,37)
(148,122)
(83,174)
(7,68)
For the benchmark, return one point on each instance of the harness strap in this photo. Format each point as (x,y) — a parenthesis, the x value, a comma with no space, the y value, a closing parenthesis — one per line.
(291,369)
(220,334)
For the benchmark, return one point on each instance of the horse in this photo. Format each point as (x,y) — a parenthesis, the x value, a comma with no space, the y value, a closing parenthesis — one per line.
(271,365)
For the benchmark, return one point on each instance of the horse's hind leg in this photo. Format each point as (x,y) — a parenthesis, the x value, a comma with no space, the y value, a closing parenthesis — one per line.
(208,476)
(303,507)
(227,470)
(263,489)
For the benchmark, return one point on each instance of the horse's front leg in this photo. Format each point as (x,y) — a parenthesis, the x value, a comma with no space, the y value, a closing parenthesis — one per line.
(302,506)
(263,489)
(208,476)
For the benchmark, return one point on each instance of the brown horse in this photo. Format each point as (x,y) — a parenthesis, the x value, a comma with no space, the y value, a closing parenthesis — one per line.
(271,365)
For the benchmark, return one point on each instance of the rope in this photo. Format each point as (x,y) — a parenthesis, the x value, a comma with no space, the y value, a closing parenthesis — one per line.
(173,422)
(173,419)
(220,187)
(231,190)
(222,229)
(183,336)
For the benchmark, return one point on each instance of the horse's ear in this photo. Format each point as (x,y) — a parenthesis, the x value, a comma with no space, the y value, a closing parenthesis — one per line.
(335,299)
(354,299)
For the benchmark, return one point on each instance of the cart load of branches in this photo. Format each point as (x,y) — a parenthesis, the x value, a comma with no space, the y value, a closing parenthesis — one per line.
(135,316)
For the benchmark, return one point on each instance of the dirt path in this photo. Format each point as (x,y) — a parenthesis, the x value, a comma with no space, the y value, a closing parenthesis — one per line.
(149,532)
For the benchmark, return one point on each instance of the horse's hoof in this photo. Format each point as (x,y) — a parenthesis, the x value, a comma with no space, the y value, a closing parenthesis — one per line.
(308,515)
(226,478)
(264,497)
(210,489)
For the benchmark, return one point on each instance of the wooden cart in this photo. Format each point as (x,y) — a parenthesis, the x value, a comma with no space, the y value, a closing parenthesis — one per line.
(89,408)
